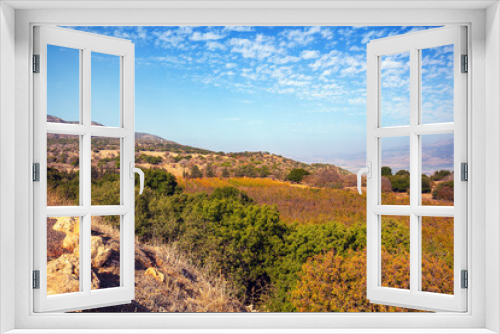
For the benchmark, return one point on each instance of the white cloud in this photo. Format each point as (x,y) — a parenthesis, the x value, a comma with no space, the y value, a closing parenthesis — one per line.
(214,46)
(309,54)
(299,37)
(197,36)
(360,101)
(238,28)
(261,47)
(231,65)
(356,48)
(372,34)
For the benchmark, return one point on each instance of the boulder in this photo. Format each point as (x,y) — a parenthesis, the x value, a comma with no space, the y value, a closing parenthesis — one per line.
(157,275)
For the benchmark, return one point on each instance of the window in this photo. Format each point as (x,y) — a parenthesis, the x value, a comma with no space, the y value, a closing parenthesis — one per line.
(415,131)
(80,249)
(476,18)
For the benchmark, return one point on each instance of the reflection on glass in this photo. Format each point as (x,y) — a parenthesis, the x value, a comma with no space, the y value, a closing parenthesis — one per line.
(437,254)
(105,171)
(105,90)
(105,252)
(395,171)
(63,170)
(437,84)
(395,251)
(395,89)
(63,255)
(437,169)
(63,84)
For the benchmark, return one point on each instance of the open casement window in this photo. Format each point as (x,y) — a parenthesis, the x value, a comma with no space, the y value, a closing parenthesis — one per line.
(411,92)
(78,248)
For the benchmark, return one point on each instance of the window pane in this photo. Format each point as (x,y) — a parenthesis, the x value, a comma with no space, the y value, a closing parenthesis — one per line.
(63,84)
(395,89)
(63,255)
(105,252)
(63,170)
(437,254)
(395,171)
(437,84)
(105,90)
(105,171)
(395,251)
(437,169)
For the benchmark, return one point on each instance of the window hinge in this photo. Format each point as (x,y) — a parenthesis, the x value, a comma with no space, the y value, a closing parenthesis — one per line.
(465,279)
(36,279)
(36,63)
(464,171)
(465,64)
(36,172)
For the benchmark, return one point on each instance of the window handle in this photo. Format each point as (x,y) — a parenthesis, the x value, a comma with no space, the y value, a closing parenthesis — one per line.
(365,170)
(139,171)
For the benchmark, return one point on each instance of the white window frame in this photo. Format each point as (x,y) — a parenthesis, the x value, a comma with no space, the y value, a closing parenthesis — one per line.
(85,43)
(484,212)
(413,43)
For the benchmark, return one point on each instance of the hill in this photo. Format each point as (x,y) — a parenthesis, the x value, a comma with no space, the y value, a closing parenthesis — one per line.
(185,161)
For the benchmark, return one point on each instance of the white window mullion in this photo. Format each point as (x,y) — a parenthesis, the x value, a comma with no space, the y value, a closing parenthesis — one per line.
(415,272)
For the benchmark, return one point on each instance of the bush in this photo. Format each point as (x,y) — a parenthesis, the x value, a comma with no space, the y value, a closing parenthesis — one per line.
(400,183)
(386,171)
(160,181)
(440,174)
(403,172)
(444,191)
(297,174)
(195,172)
(426,184)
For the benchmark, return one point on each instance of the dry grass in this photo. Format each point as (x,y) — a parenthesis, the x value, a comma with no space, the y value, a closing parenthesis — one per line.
(185,288)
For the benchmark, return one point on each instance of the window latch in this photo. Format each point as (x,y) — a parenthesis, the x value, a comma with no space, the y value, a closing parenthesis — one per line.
(365,170)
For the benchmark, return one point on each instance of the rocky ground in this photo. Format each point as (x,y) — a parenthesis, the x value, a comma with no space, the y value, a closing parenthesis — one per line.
(165,280)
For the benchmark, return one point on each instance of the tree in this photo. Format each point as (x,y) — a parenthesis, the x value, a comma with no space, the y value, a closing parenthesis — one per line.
(225,172)
(426,184)
(209,171)
(403,172)
(444,191)
(160,181)
(440,174)
(386,171)
(195,172)
(297,174)
(400,183)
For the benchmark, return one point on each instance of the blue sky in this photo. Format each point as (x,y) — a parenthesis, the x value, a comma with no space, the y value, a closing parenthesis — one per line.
(295,91)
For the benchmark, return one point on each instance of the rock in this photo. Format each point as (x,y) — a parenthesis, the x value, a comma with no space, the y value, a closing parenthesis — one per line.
(71,227)
(157,275)
(99,252)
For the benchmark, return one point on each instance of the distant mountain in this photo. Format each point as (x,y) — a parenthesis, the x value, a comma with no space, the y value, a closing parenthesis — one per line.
(138,135)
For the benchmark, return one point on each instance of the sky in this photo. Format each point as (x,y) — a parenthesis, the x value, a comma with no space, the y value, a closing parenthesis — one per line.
(295,91)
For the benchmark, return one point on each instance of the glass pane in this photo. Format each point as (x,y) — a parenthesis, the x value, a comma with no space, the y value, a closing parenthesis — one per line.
(105,252)
(437,254)
(395,251)
(105,90)
(395,171)
(437,169)
(105,171)
(63,170)
(63,255)
(437,84)
(395,89)
(63,84)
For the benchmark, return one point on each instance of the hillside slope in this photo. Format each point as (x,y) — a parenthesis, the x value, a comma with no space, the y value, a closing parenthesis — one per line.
(164,280)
